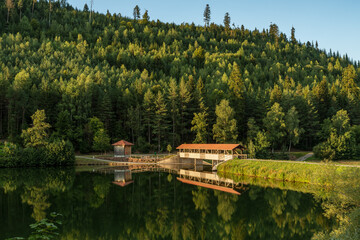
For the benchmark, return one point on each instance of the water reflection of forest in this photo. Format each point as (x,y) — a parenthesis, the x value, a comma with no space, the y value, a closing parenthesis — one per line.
(156,206)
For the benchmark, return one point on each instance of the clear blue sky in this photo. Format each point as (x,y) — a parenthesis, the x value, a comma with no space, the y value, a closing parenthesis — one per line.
(334,24)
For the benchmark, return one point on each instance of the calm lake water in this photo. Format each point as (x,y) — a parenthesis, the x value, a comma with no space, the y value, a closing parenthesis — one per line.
(155,206)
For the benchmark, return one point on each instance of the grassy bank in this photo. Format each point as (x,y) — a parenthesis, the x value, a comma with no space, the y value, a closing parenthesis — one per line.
(323,174)
(84,161)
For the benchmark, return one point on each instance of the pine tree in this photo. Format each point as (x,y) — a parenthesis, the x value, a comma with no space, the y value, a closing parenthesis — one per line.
(200,124)
(293,39)
(91,9)
(236,85)
(136,12)
(37,135)
(237,92)
(86,8)
(253,129)
(105,111)
(185,99)
(322,98)
(174,110)
(207,14)
(145,17)
(225,129)
(148,106)
(227,21)
(50,10)
(274,30)
(160,122)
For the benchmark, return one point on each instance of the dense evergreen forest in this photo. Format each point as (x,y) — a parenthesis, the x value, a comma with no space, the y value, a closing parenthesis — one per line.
(103,77)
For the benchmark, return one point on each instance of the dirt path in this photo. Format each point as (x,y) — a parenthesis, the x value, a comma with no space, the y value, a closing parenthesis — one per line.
(303,158)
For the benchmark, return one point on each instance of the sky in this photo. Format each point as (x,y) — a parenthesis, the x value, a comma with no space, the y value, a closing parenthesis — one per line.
(335,24)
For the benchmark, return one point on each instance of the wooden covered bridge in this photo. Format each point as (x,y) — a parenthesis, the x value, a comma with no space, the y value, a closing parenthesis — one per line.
(216,153)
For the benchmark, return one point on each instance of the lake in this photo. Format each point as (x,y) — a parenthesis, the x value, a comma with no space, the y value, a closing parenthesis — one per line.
(154,206)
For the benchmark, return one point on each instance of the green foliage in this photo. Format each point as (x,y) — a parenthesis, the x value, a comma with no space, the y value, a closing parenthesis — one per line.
(85,64)
(56,153)
(341,139)
(200,127)
(292,126)
(225,129)
(101,141)
(169,148)
(36,136)
(275,124)
(47,228)
(261,145)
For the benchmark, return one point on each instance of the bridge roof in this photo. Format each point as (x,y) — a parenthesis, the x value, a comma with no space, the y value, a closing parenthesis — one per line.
(212,146)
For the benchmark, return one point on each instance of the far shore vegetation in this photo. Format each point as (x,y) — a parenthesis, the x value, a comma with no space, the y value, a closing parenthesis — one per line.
(105,77)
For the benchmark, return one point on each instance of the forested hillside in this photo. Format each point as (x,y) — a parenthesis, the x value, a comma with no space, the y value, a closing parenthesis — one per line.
(157,83)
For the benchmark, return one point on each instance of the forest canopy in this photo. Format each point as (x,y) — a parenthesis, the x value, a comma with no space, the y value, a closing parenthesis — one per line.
(156,83)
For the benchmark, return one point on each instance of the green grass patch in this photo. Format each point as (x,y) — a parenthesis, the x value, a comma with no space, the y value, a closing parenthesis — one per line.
(313,158)
(84,161)
(323,174)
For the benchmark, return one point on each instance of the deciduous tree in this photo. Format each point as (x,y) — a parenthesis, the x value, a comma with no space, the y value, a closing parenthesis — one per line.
(225,129)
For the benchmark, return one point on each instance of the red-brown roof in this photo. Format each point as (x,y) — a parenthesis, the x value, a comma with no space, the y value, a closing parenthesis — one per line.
(123,184)
(213,146)
(206,185)
(123,143)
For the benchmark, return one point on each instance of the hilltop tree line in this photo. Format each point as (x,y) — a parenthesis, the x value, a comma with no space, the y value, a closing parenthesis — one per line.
(157,83)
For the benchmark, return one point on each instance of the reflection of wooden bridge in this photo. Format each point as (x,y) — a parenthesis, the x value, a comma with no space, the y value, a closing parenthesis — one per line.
(138,169)
(122,176)
(210,180)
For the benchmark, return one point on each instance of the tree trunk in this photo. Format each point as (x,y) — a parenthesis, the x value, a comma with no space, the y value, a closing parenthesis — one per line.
(1,120)
(290,146)
(32,12)
(173,132)
(132,134)
(7,19)
(23,118)
(20,14)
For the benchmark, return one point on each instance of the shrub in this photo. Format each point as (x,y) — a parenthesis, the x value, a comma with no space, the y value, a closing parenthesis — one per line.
(56,153)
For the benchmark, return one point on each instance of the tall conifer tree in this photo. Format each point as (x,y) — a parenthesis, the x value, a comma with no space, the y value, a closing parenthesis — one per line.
(227,21)
(207,16)
(136,12)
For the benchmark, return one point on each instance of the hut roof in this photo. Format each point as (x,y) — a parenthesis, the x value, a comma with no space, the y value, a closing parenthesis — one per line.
(123,143)
(213,146)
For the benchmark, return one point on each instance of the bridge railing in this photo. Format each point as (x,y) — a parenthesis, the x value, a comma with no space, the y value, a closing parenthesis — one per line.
(241,156)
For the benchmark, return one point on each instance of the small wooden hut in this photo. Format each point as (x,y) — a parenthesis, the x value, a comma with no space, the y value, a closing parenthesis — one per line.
(122,149)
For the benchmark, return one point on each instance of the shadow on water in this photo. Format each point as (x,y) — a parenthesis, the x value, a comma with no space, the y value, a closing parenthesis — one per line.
(155,205)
